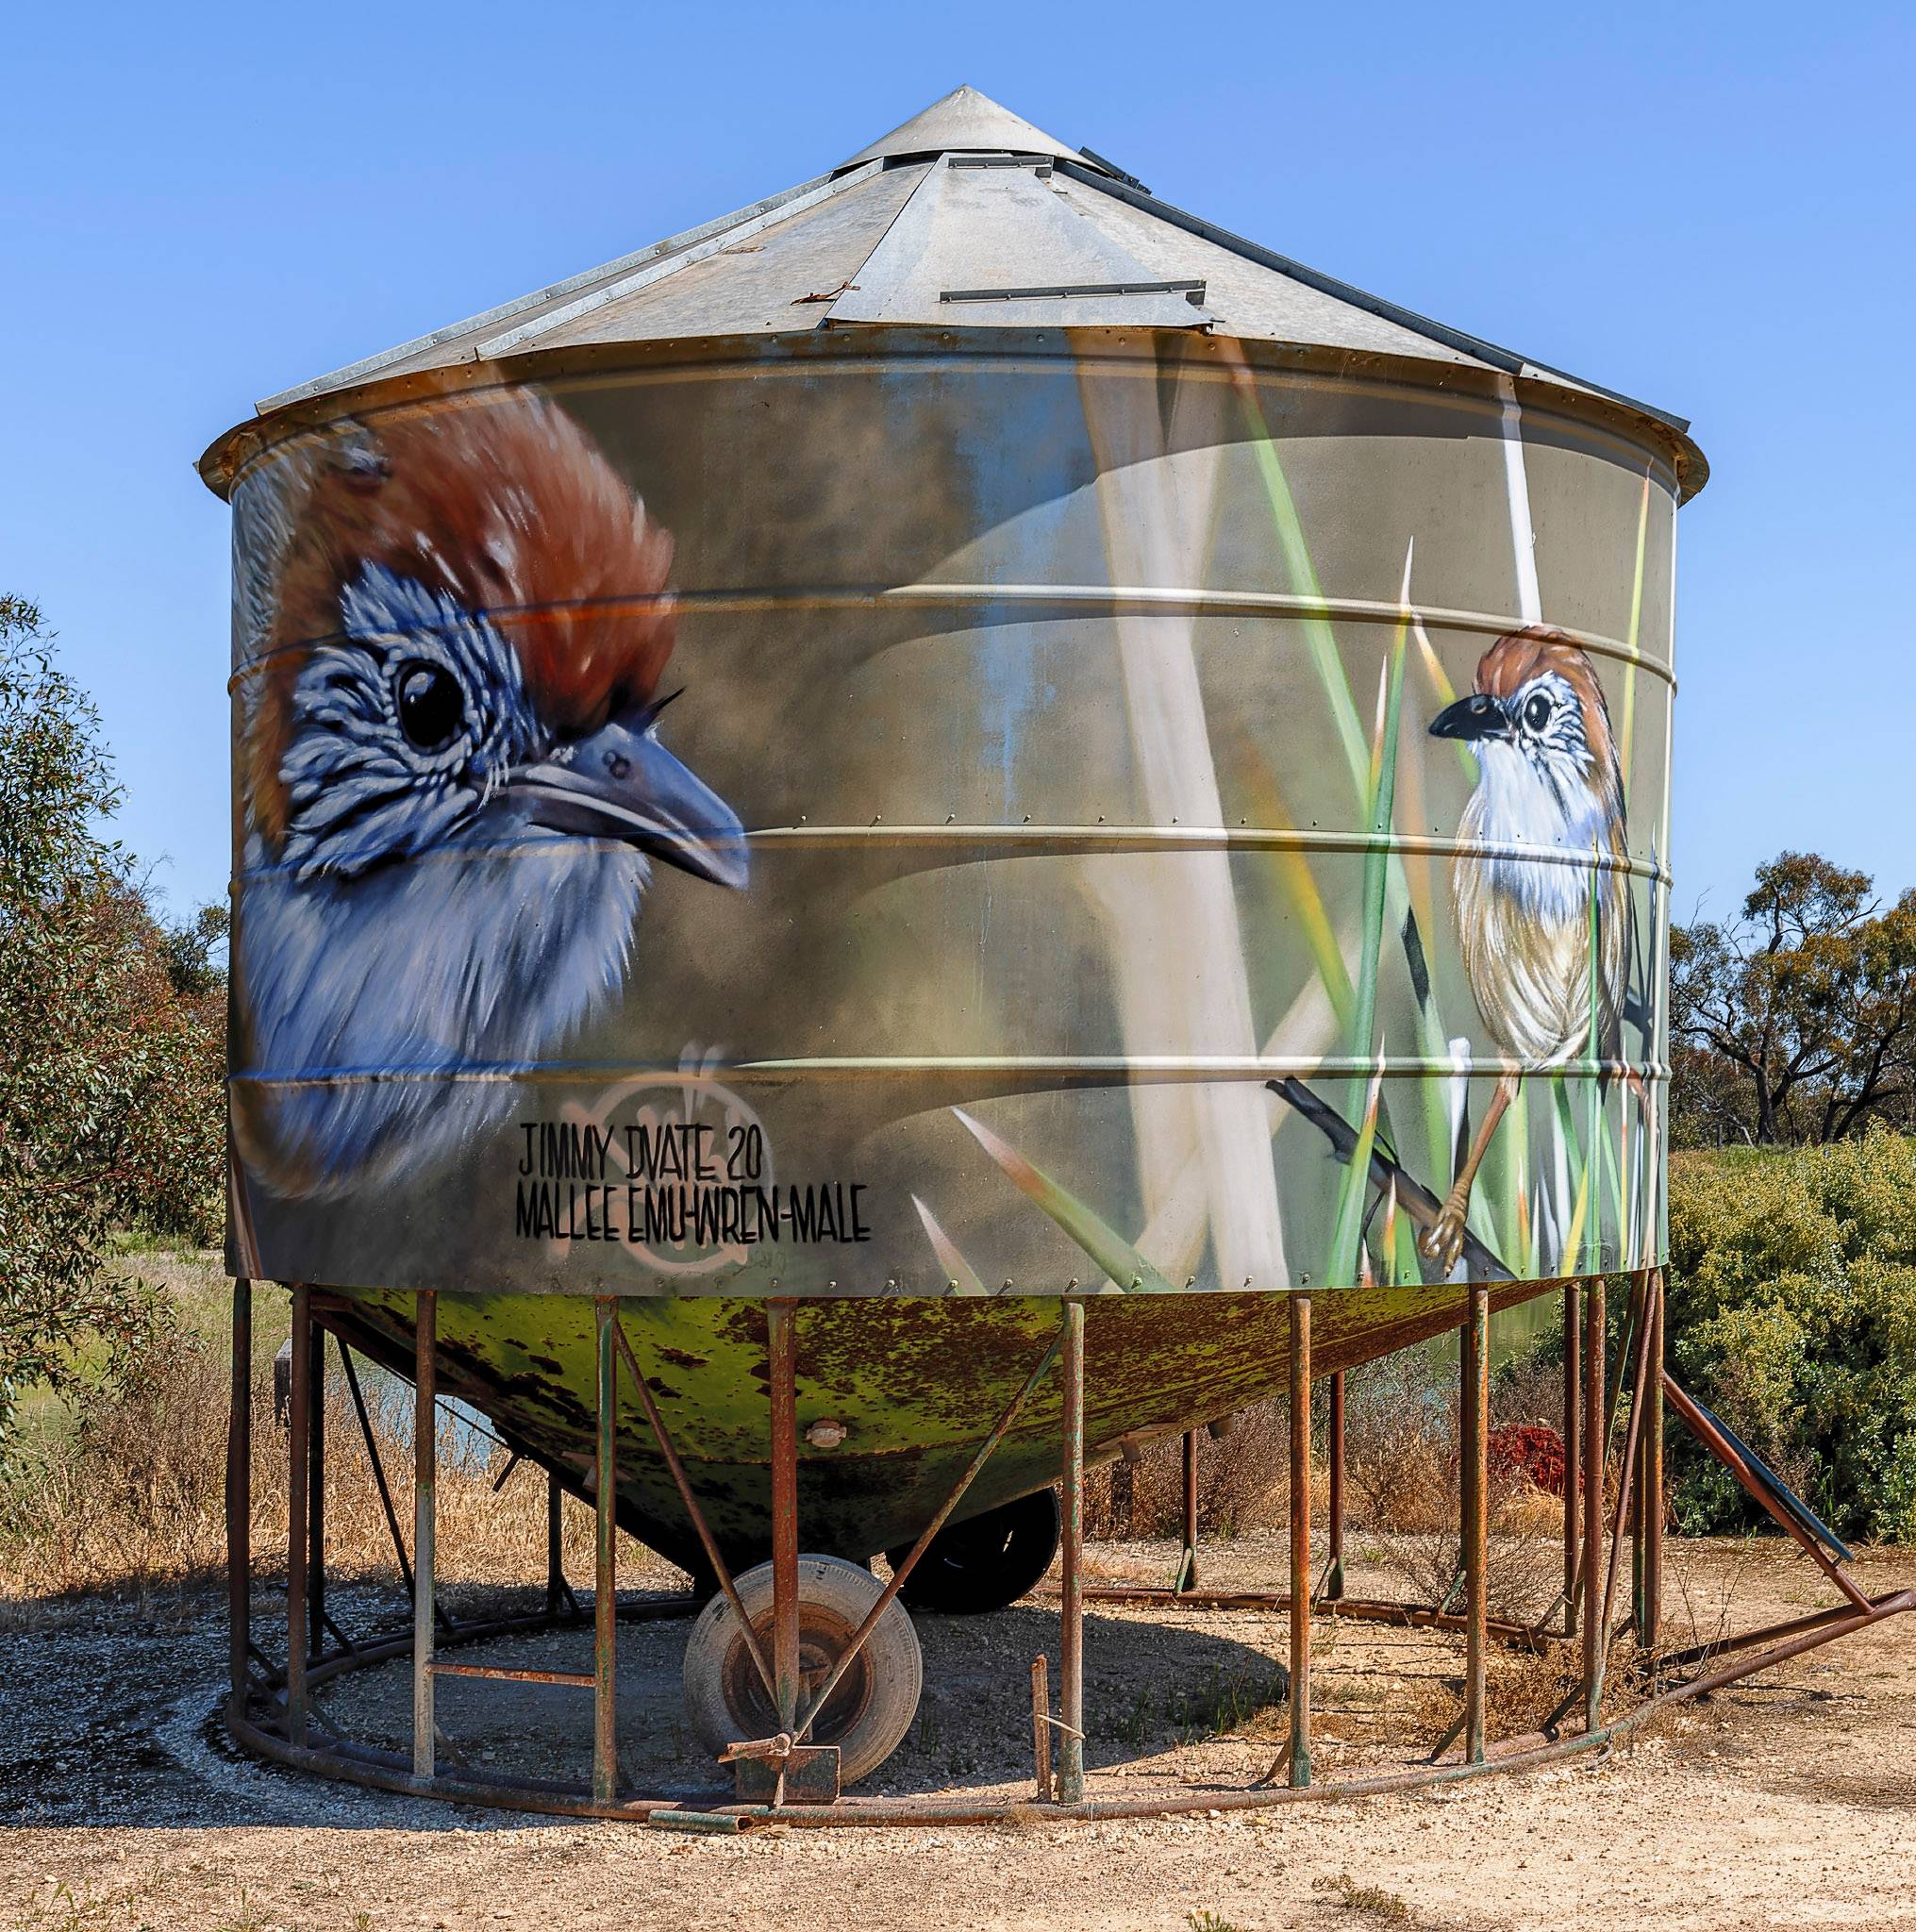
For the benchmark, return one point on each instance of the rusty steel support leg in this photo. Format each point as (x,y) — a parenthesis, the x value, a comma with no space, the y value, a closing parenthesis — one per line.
(1187,1566)
(1649,1603)
(1639,1367)
(1476,1514)
(1594,1342)
(299,1447)
(240,1508)
(425,1520)
(605,1577)
(1070,1576)
(1040,1728)
(316,1493)
(781,1342)
(1572,1451)
(1333,1580)
(1300,1541)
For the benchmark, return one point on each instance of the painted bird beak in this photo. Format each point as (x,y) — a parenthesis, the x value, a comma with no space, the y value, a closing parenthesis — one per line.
(1474,717)
(622,783)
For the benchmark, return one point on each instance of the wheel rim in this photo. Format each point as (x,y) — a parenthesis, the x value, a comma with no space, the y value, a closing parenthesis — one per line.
(824,1636)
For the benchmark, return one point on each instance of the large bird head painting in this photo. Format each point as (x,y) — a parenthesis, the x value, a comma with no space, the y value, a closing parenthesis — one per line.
(454,788)
(1540,864)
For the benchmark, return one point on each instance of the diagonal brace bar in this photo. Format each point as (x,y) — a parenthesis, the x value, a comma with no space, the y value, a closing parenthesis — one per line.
(1711,1439)
(931,1531)
(706,1541)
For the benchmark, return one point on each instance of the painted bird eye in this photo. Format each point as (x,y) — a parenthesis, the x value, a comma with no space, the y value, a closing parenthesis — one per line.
(431,707)
(1536,712)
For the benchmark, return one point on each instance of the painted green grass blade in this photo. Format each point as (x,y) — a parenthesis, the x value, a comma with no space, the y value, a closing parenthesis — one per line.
(1347,1241)
(1114,1256)
(963,1277)
(1319,639)
(1348,1234)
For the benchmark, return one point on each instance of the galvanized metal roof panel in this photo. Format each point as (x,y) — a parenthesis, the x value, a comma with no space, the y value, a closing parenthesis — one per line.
(442,346)
(1246,298)
(984,247)
(750,284)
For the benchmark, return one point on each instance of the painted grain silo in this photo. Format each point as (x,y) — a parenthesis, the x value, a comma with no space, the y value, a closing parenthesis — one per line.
(956,743)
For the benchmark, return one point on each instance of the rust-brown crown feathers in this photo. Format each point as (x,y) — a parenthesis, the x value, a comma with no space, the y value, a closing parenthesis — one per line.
(503,504)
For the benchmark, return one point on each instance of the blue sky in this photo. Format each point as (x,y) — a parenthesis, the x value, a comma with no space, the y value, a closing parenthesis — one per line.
(1707,206)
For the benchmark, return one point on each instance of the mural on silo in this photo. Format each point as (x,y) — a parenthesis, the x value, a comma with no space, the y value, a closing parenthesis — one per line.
(1150,820)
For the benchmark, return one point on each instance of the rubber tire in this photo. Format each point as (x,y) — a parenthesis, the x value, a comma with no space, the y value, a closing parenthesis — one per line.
(870,1712)
(988,1563)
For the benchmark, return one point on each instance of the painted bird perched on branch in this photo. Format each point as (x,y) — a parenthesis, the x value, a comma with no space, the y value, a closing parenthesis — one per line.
(1547,777)
(452,775)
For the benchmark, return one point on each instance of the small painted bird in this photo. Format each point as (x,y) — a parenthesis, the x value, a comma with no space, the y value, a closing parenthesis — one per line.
(452,778)
(1547,777)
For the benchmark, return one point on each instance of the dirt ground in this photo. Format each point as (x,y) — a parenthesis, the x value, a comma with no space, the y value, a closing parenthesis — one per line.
(1788,1802)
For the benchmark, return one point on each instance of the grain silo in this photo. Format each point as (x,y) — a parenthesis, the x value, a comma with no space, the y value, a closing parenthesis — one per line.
(955,774)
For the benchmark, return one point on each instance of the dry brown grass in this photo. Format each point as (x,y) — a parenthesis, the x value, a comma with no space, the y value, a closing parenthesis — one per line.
(1242,1482)
(129,1495)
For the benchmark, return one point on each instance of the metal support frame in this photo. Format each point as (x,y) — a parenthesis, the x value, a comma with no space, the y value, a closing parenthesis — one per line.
(316,1485)
(1187,1562)
(424,1521)
(1334,1577)
(1300,1541)
(1647,1606)
(1595,1442)
(1474,1424)
(605,1576)
(1643,1327)
(1572,1451)
(284,1735)
(240,1509)
(781,1349)
(1071,1569)
(298,1499)
(1725,1451)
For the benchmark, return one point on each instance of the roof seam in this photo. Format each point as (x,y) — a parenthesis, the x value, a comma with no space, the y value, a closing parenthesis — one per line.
(658,270)
(886,162)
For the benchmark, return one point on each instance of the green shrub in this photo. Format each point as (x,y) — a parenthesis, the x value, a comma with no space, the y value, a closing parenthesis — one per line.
(1793,1314)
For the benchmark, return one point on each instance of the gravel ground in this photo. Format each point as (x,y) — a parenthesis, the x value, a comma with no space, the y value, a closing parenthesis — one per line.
(1790,1802)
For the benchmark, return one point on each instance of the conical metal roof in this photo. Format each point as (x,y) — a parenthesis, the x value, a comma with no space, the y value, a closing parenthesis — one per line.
(965,216)
(964,122)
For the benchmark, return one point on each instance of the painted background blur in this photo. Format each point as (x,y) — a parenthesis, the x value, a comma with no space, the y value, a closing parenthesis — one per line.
(1706,206)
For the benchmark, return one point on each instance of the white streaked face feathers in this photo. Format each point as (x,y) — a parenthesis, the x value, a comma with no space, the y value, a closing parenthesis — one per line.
(403,728)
